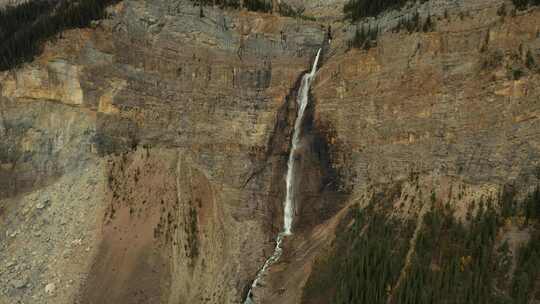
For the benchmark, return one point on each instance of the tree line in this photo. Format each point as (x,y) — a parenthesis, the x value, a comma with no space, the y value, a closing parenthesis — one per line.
(251,5)
(527,272)
(454,260)
(366,38)
(357,9)
(26,27)
(524,4)
(414,23)
(366,261)
(264,6)
(13,18)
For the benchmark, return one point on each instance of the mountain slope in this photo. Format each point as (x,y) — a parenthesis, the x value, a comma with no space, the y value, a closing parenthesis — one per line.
(143,158)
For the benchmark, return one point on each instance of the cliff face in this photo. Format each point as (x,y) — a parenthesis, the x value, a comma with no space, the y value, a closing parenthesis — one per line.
(444,101)
(184,121)
(143,160)
(449,117)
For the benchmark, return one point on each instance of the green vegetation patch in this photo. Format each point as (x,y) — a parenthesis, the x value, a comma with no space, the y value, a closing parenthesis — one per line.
(24,29)
(452,262)
(264,6)
(414,23)
(250,5)
(524,4)
(364,39)
(192,232)
(368,257)
(525,282)
(357,9)
(12,18)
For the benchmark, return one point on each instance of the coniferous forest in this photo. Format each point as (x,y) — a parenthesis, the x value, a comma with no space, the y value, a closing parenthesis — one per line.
(24,28)
(358,9)
(251,5)
(264,6)
(368,258)
(364,38)
(523,4)
(188,96)
(453,261)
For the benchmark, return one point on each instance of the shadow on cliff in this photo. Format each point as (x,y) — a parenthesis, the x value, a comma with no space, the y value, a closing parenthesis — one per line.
(321,181)
(321,191)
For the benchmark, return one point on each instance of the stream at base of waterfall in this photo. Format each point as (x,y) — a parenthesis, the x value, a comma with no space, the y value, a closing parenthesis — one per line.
(289,205)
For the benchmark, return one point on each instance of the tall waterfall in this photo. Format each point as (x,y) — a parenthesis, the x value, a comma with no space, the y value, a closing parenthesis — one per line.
(289,205)
(302,100)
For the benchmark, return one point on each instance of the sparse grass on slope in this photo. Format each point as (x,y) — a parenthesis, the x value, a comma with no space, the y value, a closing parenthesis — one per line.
(357,9)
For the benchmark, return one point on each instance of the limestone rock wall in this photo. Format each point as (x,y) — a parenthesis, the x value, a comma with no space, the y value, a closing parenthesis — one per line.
(192,118)
(165,136)
(445,101)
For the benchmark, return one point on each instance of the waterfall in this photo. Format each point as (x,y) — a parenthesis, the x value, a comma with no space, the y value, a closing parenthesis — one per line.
(302,100)
(289,205)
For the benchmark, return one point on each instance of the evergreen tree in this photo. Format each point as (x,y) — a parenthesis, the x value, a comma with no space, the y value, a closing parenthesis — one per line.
(524,4)
(529,60)
(357,9)
(428,25)
(502,10)
(25,28)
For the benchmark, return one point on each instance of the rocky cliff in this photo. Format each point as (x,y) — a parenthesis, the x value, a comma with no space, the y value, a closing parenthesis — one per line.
(142,160)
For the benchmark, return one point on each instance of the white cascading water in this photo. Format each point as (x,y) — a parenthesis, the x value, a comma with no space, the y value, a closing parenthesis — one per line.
(288,212)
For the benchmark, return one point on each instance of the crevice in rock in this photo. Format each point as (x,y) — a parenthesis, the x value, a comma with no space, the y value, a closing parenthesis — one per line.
(321,190)
(275,160)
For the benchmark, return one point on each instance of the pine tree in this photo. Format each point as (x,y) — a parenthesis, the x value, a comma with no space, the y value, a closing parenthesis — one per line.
(529,61)
(428,25)
(24,28)
(357,9)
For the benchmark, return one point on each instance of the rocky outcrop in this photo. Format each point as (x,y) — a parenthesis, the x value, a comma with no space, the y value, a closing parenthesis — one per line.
(192,119)
(444,101)
(443,105)
(447,104)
